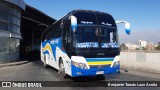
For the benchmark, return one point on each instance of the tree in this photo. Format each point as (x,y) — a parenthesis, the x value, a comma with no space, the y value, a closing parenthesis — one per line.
(143,48)
(123,47)
(158,47)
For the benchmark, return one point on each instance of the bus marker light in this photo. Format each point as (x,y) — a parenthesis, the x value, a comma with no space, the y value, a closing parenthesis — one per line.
(62,48)
(79,73)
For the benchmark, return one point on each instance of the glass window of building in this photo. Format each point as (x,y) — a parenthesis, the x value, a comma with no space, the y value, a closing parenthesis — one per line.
(3,45)
(11,45)
(3,26)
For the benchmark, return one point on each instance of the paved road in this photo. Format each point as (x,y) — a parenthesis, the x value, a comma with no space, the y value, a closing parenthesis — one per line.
(34,71)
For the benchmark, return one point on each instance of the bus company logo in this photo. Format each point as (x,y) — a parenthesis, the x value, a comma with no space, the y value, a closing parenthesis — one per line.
(111,45)
(6,84)
(100,67)
(86,22)
(106,24)
(105,45)
(55,41)
(85,45)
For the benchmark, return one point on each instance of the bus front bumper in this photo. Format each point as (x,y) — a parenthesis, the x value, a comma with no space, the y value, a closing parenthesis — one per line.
(76,72)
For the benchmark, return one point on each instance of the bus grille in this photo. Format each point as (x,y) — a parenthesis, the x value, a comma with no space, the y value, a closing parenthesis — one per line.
(100,66)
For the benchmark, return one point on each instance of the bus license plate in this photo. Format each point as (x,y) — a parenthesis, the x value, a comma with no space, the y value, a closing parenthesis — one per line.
(100,72)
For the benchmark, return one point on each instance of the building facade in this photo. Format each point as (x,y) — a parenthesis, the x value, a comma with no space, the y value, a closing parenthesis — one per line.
(10,35)
(142,43)
(131,46)
(158,43)
(150,46)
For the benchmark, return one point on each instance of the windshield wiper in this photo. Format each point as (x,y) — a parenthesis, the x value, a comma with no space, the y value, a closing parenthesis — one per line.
(99,36)
(89,49)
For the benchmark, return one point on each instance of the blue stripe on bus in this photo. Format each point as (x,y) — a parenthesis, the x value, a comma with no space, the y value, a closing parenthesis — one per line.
(46,52)
(98,59)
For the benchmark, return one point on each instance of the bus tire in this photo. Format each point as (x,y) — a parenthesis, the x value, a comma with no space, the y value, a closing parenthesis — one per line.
(44,63)
(61,70)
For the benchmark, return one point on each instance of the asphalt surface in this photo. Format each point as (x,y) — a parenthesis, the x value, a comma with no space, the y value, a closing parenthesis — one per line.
(6,64)
(34,71)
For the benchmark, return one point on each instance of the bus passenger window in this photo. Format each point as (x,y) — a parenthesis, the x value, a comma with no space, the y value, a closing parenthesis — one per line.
(55,31)
(48,35)
(67,35)
(111,37)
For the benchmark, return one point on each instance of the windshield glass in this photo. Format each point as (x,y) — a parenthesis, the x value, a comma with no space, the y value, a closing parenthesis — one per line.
(91,36)
(107,34)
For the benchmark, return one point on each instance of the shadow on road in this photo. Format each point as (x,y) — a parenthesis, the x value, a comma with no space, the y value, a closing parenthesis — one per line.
(77,79)
(88,78)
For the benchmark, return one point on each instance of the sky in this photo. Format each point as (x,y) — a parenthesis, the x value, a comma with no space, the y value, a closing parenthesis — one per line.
(144,15)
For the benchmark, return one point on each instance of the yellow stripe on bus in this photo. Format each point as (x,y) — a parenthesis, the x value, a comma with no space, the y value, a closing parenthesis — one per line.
(99,63)
(47,47)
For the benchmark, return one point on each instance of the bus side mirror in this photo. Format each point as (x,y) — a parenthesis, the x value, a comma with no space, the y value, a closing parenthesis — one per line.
(73,23)
(127,26)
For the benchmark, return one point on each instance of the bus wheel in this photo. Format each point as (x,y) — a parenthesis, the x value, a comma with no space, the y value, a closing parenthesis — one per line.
(61,71)
(44,63)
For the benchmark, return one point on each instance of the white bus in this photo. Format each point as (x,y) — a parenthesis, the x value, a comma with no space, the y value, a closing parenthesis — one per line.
(82,43)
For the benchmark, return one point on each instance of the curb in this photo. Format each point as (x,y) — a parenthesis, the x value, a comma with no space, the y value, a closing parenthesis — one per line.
(141,73)
(13,63)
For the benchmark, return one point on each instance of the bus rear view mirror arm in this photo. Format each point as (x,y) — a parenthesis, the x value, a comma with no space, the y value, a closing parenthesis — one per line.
(73,23)
(127,26)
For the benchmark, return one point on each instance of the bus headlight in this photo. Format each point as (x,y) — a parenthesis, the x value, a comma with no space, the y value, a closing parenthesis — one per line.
(116,63)
(80,65)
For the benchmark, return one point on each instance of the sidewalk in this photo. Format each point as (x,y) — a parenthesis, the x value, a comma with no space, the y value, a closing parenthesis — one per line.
(141,73)
(3,64)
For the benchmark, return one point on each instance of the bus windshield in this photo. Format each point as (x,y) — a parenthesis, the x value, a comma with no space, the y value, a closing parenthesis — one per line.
(91,35)
(108,34)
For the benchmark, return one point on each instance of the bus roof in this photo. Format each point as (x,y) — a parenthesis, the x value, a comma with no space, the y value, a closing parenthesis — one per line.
(93,17)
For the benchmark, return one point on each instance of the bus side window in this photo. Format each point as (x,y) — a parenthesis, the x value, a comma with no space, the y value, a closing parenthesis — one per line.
(67,35)
(48,34)
(58,31)
(55,31)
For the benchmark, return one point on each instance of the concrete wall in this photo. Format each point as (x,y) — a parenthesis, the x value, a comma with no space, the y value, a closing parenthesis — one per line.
(148,62)
(9,57)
